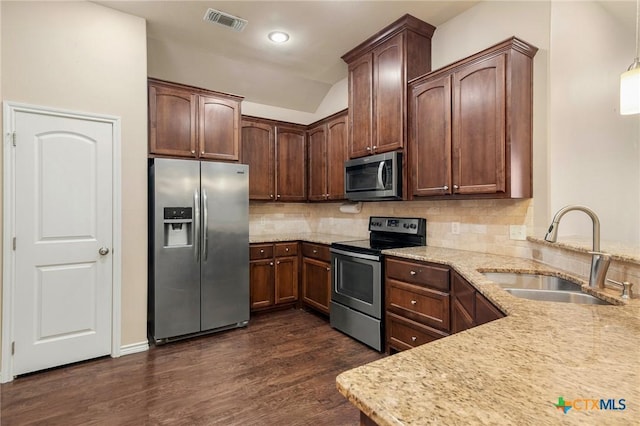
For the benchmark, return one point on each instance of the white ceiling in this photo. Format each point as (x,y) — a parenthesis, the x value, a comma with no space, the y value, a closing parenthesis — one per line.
(295,75)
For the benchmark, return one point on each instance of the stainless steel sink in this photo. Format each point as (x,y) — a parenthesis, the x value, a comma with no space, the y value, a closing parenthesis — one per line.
(557,296)
(531,281)
(543,287)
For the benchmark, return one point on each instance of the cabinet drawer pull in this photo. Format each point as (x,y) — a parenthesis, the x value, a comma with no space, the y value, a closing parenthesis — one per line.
(368,148)
(278,196)
(270,195)
(277,262)
(193,151)
(261,251)
(455,187)
(270,263)
(414,338)
(413,273)
(413,302)
(328,269)
(286,249)
(315,251)
(202,153)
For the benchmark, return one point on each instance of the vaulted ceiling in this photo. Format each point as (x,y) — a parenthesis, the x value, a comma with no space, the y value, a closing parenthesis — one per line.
(182,47)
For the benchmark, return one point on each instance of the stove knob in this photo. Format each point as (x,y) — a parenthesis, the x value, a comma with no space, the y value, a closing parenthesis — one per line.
(414,226)
(406,225)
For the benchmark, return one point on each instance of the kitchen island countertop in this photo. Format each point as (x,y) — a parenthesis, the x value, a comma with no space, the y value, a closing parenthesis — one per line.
(512,370)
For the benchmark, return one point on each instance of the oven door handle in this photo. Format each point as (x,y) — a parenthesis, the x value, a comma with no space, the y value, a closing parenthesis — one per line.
(355,255)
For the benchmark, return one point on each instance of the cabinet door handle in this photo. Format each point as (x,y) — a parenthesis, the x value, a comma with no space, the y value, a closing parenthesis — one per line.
(374,147)
(368,148)
(414,338)
(270,195)
(315,251)
(455,187)
(413,273)
(261,251)
(193,151)
(328,269)
(202,153)
(277,262)
(286,249)
(278,196)
(270,263)
(413,302)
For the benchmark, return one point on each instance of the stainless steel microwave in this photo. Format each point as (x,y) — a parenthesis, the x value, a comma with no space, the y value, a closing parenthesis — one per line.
(377,177)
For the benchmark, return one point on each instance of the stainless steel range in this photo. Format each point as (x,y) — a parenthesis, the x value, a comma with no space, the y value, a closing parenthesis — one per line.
(357,293)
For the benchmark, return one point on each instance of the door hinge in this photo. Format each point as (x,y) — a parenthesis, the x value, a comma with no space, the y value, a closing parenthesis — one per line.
(13,138)
(13,348)
(14,243)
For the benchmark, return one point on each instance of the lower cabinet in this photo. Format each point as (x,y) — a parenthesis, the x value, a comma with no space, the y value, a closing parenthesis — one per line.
(426,301)
(273,275)
(417,303)
(316,277)
(470,308)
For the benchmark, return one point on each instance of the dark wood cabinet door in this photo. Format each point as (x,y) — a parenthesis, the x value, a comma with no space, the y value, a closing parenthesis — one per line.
(290,164)
(485,311)
(218,128)
(262,278)
(460,319)
(389,89)
(430,137)
(479,127)
(172,121)
(316,284)
(258,145)
(337,154)
(318,163)
(286,281)
(361,106)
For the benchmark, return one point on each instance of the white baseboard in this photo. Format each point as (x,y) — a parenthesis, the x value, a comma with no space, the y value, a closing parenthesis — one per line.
(134,348)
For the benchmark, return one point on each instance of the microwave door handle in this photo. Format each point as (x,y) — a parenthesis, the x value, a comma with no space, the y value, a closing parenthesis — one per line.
(381,183)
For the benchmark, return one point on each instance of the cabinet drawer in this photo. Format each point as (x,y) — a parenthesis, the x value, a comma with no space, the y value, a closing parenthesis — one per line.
(316,251)
(406,334)
(427,306)
(260,251)
(286,249)
(418,273)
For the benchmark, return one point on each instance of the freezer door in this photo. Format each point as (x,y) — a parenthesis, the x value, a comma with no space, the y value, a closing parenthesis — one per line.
(225,244)
(174,290)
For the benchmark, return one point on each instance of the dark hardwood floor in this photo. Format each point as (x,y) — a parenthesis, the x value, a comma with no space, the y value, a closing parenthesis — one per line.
(280,370)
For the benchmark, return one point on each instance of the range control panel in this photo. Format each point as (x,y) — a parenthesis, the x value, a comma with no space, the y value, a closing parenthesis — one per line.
(398,225)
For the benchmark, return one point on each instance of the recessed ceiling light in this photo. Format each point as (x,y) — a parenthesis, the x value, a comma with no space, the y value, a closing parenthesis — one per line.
(278,36)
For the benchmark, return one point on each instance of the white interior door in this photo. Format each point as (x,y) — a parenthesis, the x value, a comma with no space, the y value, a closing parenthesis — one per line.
(62,304)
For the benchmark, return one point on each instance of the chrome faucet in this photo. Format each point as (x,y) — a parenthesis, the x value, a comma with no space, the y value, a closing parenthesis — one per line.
(599,261)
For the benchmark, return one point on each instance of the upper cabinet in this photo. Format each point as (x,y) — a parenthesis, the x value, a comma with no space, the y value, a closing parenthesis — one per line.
(275,153)
(470,126)
(378,71)
(327,141)
(188,122)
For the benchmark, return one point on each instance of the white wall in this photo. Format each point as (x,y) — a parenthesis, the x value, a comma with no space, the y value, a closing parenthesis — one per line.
(594,153)
(84,57)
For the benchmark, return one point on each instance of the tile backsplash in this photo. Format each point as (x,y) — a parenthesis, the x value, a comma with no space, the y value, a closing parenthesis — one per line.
(476,225)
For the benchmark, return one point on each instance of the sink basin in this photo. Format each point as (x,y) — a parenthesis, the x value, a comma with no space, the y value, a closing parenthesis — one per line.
(531,281)
(543,287)
(557,296)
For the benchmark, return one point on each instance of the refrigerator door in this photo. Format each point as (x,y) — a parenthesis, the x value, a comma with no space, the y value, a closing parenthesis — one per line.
(225,245)
(174,297)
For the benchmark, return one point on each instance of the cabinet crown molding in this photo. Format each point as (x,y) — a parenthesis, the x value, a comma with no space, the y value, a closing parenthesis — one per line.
(406,22)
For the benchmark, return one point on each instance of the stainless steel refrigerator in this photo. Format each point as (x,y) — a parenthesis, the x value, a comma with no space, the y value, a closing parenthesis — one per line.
(198,248)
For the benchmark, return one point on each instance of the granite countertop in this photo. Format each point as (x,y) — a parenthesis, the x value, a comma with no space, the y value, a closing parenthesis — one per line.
(311,237)
(512,370)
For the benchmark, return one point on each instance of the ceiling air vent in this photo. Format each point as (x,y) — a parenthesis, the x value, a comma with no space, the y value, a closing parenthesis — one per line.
(224,19)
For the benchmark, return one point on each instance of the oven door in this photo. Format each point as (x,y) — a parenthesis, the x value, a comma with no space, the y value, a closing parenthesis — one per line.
(357,281)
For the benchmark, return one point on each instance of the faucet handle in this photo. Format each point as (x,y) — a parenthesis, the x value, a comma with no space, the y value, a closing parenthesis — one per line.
(627,292)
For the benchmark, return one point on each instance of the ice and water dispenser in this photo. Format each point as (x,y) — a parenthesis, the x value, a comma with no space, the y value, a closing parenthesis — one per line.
(178,222)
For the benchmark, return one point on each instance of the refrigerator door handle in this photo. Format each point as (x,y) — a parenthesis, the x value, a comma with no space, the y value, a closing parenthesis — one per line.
(205,222)
(196,233)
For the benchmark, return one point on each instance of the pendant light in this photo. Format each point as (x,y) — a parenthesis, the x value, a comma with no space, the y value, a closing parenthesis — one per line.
(630,80)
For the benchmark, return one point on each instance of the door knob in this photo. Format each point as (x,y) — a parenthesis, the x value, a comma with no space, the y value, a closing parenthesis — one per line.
(103,251)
